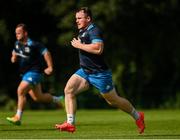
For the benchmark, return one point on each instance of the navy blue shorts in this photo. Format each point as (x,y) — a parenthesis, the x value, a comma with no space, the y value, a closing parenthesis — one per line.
(101,80)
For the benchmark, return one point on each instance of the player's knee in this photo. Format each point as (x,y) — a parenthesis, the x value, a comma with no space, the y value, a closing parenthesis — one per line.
(20,91)
(69,92)
(112,102)
(36,99)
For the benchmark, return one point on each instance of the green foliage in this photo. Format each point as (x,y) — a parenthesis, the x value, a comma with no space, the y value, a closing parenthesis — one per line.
(141,44)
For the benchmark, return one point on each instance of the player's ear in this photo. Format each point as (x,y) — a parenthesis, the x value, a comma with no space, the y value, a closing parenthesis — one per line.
(88,18)
(26,33)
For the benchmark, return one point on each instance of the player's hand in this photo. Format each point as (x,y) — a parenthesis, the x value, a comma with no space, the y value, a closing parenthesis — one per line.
(14,57)
(48,70)
(76,43)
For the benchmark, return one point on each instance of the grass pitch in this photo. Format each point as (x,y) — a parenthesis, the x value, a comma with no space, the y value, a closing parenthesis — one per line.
(92,124)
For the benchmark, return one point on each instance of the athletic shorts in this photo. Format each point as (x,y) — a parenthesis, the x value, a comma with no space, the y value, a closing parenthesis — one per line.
(101,80)
(32,77)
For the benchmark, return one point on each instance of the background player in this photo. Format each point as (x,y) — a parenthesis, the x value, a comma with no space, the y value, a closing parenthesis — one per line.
(30,54)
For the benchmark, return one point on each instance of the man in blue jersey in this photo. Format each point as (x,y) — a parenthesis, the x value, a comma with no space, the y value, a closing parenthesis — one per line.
(93,72)
(30,54)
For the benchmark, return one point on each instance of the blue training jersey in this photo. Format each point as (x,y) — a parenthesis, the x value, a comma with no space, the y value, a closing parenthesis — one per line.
(30,56)
(91,63)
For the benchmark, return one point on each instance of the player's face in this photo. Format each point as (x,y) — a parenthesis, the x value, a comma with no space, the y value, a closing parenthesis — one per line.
(20,34)
(82,20)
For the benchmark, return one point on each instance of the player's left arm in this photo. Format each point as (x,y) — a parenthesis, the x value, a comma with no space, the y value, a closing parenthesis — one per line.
(94,48)
(49,62)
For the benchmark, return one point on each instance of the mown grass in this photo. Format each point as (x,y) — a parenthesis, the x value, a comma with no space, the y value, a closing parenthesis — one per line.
(92,124)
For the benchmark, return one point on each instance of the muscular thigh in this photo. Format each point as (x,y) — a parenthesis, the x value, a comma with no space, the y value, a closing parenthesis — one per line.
(76,84)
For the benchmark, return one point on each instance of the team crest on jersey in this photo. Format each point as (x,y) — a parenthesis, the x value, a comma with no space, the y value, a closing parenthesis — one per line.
(27,49)
(83,35)
(17,47)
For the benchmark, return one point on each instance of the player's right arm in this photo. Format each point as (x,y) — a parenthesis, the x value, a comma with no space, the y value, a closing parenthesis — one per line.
(94,48)
(49,62)
(13,57)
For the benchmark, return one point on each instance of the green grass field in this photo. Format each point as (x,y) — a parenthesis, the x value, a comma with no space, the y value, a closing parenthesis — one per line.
(92,124)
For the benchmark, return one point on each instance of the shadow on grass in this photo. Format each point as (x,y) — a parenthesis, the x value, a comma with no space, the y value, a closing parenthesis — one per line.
(157,135)
(33,129)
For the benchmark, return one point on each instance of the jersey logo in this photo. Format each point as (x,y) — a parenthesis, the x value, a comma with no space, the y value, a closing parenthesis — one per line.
(17,47)
(30,78)
(27,49)
(108,87)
